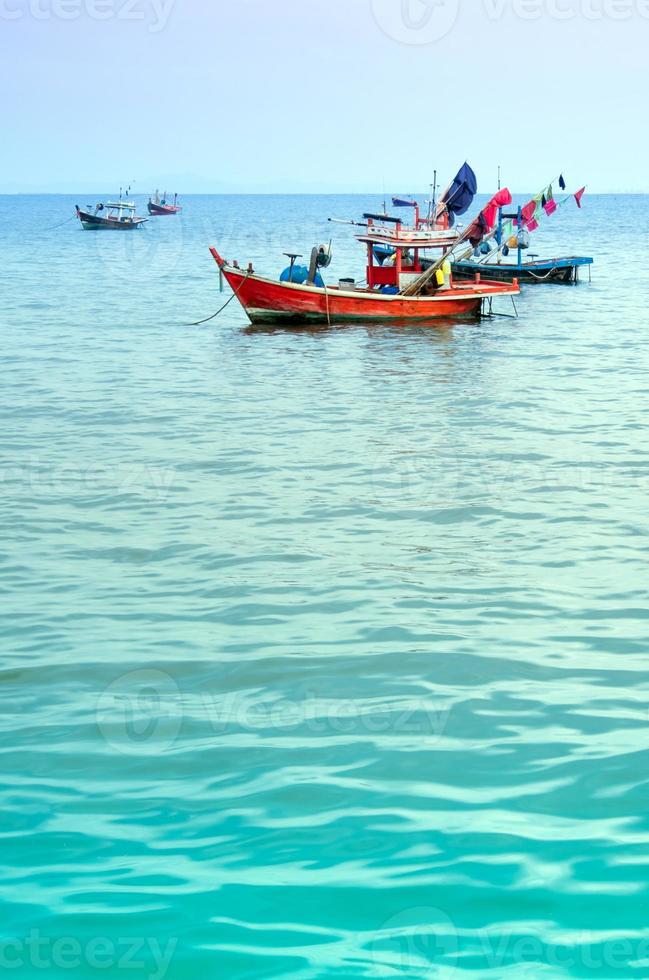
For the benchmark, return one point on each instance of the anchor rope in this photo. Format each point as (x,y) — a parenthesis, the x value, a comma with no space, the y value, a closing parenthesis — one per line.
(234,295)
(60,225)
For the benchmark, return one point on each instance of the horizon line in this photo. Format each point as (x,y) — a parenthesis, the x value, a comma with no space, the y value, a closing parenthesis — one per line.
(270,193)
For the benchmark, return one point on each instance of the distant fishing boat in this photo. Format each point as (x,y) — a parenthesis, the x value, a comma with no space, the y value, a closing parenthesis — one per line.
(563,270)
(158,205)
(116,215)
(500,255)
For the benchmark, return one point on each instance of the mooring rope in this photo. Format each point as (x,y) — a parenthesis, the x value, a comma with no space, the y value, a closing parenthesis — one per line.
(60,225)
(327,303)
(234,295)
(543,278)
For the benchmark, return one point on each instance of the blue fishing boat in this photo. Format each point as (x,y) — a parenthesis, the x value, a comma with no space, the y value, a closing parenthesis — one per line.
(534,270)
(119,216)
(511,237)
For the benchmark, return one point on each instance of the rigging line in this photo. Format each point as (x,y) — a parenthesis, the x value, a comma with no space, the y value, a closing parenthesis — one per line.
(234,295)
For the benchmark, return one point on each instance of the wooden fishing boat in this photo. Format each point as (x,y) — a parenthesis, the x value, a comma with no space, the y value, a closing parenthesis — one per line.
(158,206)
(267,301)
(396,289)
(119,216)
(511,236)
(564,270)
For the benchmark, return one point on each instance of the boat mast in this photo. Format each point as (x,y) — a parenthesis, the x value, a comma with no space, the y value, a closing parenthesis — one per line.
(499,233)
(433,195)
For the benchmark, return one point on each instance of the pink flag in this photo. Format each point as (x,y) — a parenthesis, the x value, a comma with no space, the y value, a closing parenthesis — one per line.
(579,195)
(532,225)
(528,212)
(550,207)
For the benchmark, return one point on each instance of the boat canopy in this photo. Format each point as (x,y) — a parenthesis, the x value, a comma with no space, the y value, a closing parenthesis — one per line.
(408,238)
(123,205)
(383,217)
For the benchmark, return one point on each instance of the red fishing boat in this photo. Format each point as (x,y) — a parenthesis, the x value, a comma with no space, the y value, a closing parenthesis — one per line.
(397,288)
(268,301)
(158,205)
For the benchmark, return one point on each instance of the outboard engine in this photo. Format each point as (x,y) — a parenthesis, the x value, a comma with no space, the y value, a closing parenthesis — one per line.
(321,256)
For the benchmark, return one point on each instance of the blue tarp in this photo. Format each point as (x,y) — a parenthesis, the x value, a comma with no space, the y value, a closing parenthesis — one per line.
(459,197)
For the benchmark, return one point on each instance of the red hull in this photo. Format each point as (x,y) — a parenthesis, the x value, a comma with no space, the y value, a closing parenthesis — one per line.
(266,301)
(157,210)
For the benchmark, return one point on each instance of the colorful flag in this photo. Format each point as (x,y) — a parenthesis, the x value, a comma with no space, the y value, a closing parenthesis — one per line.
(579,195)
(532,225)
(562,183)
(550,207)
(528,212)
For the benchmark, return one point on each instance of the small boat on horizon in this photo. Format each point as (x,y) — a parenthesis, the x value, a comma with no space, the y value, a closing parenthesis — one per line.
(120,216)
(158,206)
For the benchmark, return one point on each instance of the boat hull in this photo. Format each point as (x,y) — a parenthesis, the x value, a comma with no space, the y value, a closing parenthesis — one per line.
(158,210)
(93,222)
(267,301)
(547,270)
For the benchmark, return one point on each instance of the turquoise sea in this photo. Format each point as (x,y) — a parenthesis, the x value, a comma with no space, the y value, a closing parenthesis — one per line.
(324,652)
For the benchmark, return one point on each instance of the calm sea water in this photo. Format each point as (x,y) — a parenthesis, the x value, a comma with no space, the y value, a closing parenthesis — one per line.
(324,653)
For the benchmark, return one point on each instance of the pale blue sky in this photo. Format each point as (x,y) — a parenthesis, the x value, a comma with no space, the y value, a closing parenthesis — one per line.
(345,95)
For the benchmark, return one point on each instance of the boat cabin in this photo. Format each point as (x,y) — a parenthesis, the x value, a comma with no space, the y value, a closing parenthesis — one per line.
(119,210)
(394,257)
